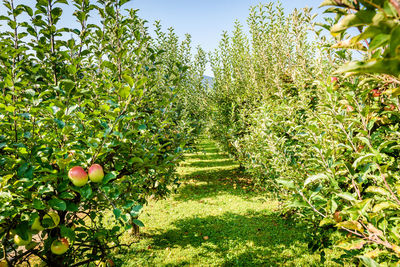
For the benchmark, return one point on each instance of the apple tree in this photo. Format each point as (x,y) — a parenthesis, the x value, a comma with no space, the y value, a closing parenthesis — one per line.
(99,94)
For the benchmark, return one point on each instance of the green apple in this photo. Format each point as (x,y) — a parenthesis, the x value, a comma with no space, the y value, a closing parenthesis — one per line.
(3,263)
(36,226)
(78,176)
(59,246)
(53,216)
(22,242)
(96,173)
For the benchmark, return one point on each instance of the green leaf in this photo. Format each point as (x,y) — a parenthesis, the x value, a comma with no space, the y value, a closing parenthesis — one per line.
(353,244)
(377,190)
(122,2)
(67,85)
(128,79)
(58,204)
(136,160)
(142,127)
(22,230)
(286,183)
(86,191)
(378,41)
(138,223)
(348,196)
(395,42)
(385,66)
(368,262)
(140,83)
(314,178)
(108,177)
(38,204)
(327,221)
(384,206)
(117,213)
(360,18)
(362,159)
(67,232)
(343,3)
(124,91)
(135,211)
(352,225)
(67,195)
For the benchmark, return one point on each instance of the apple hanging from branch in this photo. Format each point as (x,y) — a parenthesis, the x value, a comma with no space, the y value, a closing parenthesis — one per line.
(78,176)
(19,241)
(59,246)
(96,173)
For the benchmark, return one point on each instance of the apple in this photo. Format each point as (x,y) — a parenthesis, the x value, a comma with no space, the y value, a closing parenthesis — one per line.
(349,108)
(110,263)
(36,226)
(338,218)
(22,242)
(96,173)
(3,263)
(59,246)
(54,217)
(391,107)
(334,79)
(78,176)
(375,93)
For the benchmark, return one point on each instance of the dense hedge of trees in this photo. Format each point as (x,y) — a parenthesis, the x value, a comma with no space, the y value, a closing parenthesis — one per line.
(105,93)
(322,134)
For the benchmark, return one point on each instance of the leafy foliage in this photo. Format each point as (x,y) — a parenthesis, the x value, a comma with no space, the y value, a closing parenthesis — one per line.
(108,95)
(327,145)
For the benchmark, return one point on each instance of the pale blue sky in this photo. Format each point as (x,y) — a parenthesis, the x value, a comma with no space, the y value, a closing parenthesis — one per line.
(205,20)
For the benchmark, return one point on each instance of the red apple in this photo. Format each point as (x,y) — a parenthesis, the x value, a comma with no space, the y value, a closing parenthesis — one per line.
(349,108)
(334,79)
(110,263)
(338,218)
(59,246)
(391,107)
(78,176)
(96,173)
(375,93)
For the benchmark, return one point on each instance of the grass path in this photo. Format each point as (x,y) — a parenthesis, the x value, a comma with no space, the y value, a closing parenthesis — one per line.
(215,220)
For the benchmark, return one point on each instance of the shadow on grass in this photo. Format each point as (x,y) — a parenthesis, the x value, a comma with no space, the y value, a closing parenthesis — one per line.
(203,156)
(223,162)
(264,238)
(207,184)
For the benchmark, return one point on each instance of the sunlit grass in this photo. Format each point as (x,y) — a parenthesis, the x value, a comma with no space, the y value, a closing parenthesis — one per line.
(216,219)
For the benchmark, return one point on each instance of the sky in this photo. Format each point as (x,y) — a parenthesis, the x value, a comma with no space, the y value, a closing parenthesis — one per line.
(204,20)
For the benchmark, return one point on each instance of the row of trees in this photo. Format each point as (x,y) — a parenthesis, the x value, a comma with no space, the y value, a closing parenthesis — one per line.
(106,93)
(327,144)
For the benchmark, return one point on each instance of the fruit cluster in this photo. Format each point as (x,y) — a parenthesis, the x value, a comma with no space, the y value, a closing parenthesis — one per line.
(50,220)
(79,177)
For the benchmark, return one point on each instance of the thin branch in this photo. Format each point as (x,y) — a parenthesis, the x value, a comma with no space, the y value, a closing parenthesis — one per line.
(309,203)
(387,185)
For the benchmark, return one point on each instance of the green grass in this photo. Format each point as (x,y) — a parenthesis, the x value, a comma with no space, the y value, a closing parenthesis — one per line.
(244,228)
